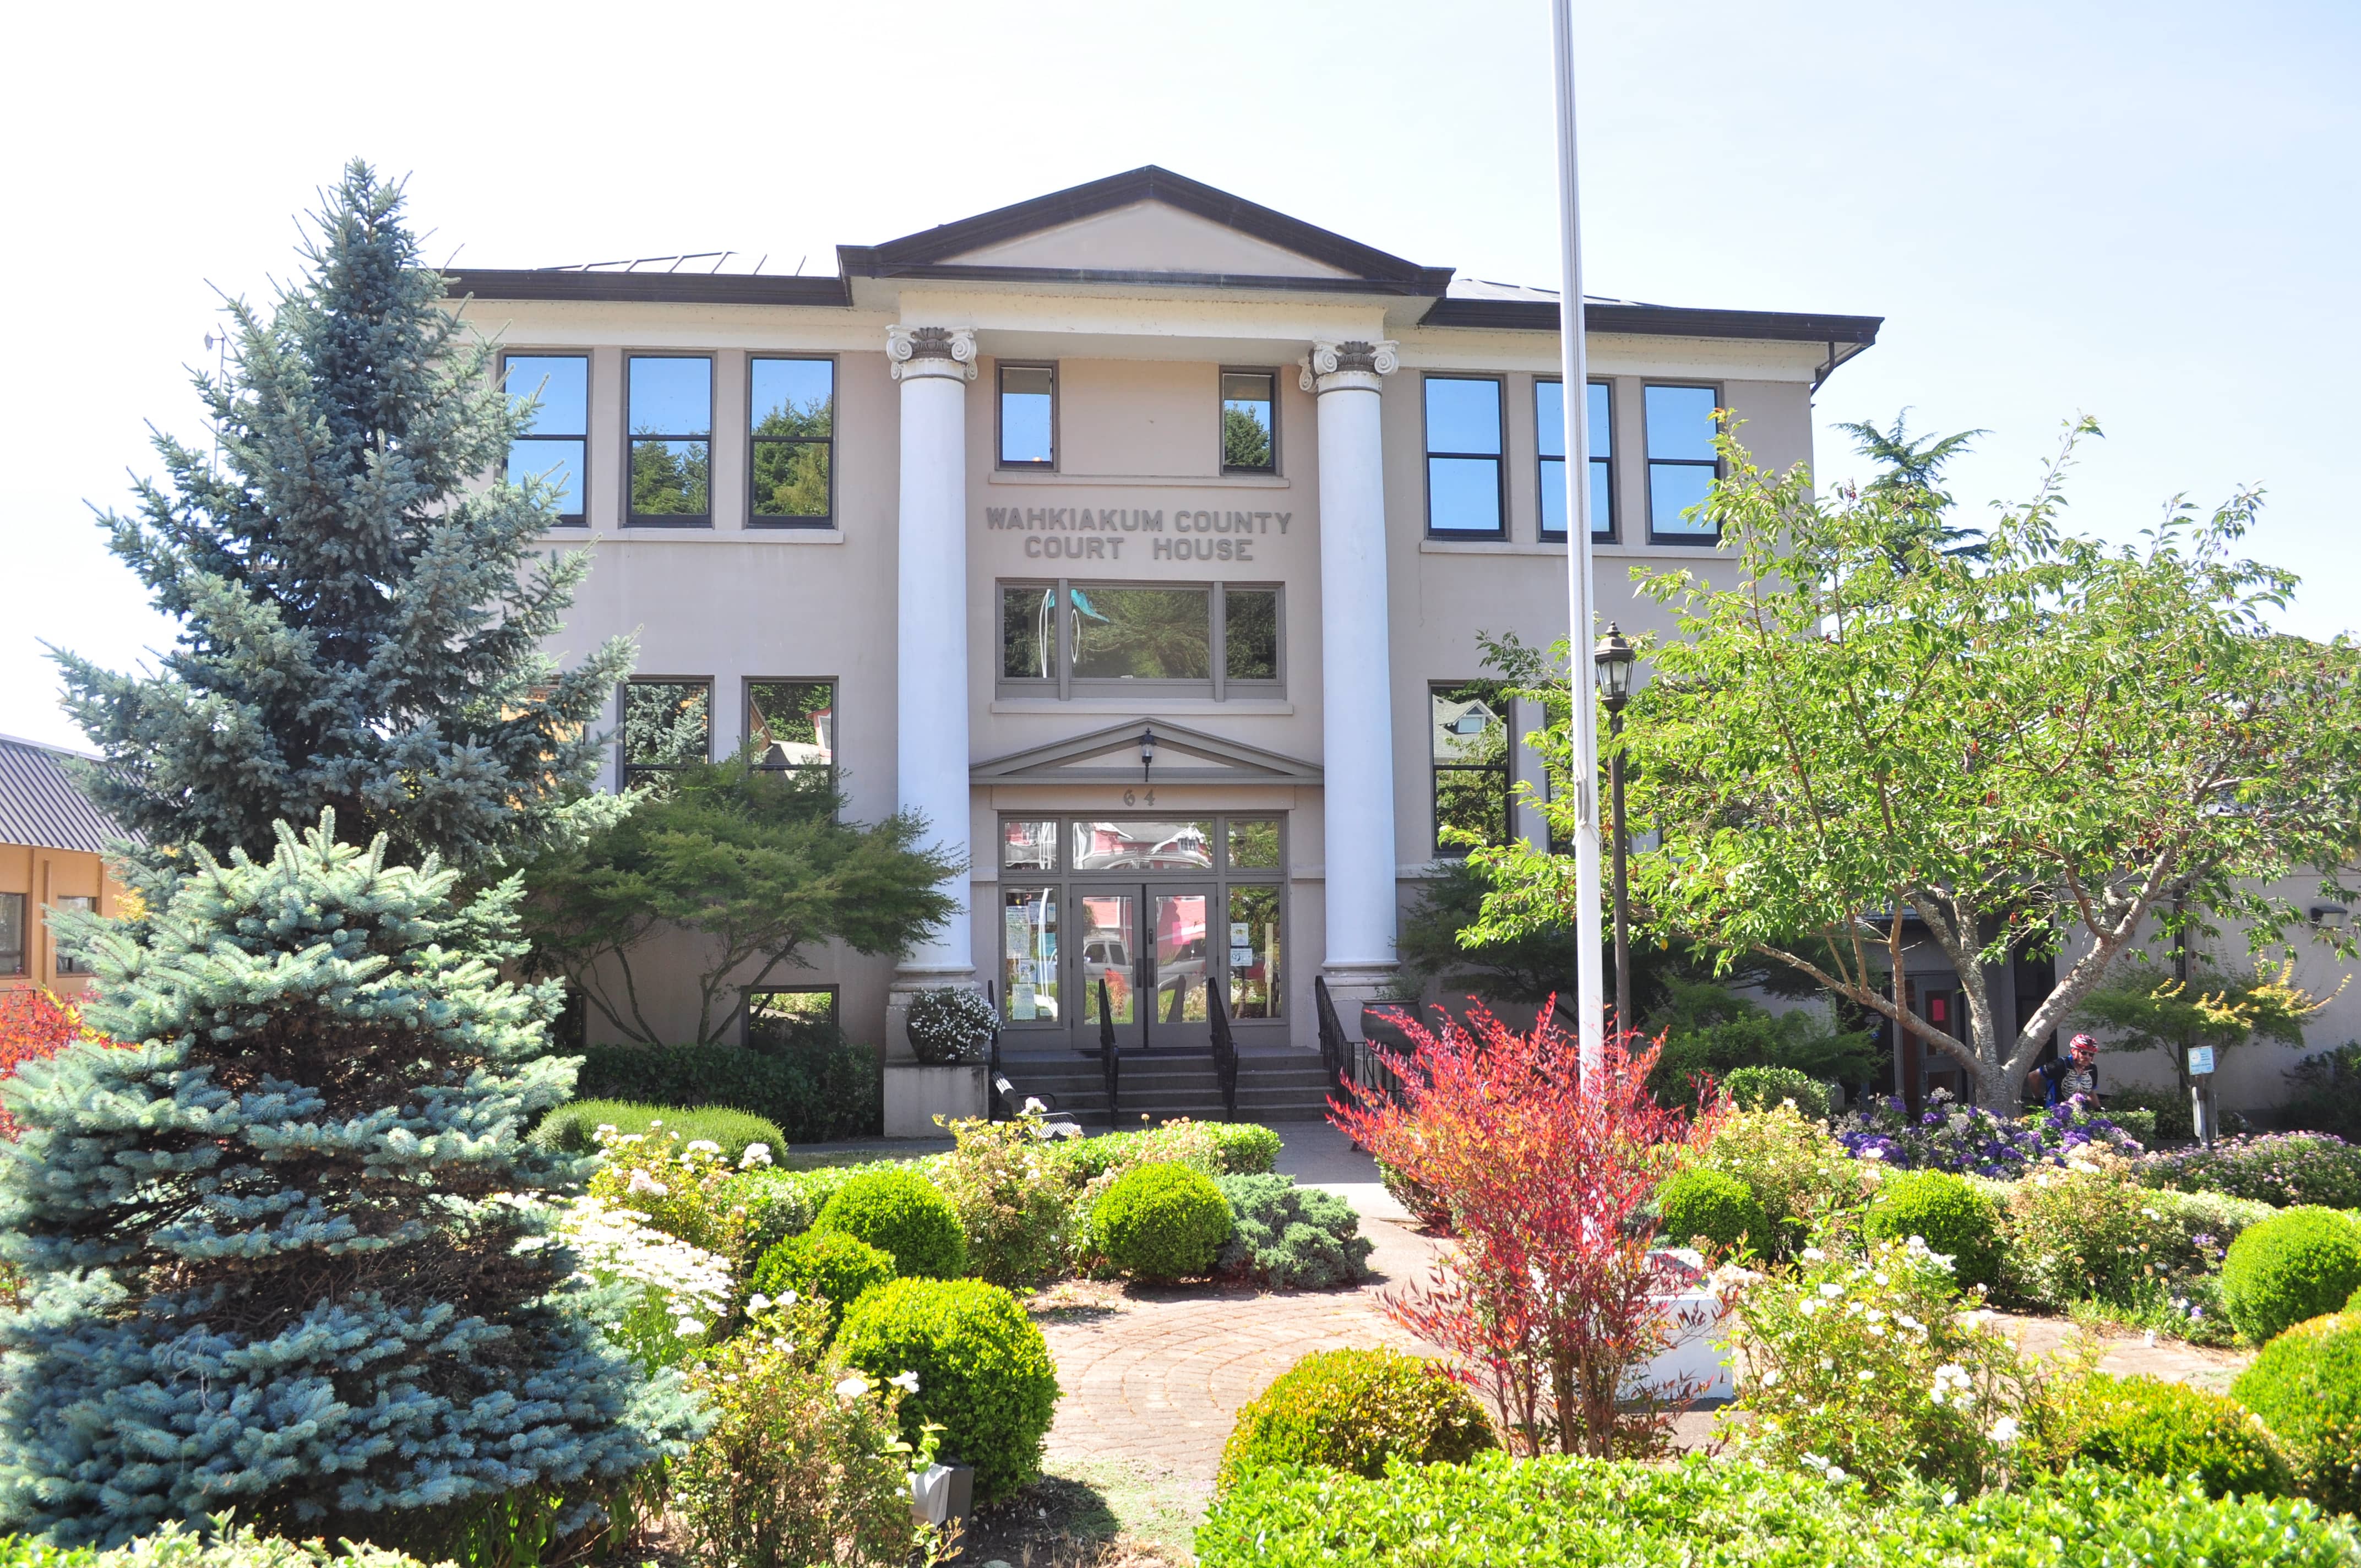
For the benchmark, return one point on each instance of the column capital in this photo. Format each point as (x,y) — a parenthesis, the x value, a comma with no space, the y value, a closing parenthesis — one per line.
(930,351)
(1353,364)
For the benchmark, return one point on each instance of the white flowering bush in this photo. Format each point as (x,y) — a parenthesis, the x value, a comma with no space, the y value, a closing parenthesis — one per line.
(1871,1366)
(677,1294)
(681,1186)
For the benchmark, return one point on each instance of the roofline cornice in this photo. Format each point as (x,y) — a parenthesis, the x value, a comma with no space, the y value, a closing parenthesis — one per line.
(1657,320)
(648,288)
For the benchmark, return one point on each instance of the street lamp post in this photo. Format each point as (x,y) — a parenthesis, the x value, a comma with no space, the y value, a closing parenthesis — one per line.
(1611,663)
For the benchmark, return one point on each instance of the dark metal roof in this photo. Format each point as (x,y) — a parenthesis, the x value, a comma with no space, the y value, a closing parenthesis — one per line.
(1656,321)
(699,288)
(41,804)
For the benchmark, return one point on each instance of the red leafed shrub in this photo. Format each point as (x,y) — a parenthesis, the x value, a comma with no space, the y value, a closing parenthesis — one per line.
(35,1025)
(1545,1303)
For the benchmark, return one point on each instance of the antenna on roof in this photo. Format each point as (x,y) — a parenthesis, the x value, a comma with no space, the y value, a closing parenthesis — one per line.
(799,263)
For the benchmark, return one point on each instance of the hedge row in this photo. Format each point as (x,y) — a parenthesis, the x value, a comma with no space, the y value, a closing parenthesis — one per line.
(815,1094)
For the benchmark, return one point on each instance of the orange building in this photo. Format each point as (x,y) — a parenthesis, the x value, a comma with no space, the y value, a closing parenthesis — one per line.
(52,840)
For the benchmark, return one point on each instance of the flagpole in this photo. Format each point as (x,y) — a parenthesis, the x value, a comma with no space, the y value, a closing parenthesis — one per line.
(1574,359)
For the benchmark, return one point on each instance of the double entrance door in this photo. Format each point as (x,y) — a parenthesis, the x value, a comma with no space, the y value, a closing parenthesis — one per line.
(1149,944)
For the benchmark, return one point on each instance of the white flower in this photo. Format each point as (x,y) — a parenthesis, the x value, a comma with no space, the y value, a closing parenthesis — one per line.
(758,1302)
(1836,1472)
(606,1129)
(1863,1375)
(1808,1306)
(853,1387)
(2004,1430)
(789,1298)
(1832,1291)
(1034,1107)
(1872,1154)
(1814,1255)
(2085,1166)
(1815,1461)
(906,1381)
(756,1154)
(1771,1379)
(2151,1213)
(642,1182)
(706,1146)
(688,1328)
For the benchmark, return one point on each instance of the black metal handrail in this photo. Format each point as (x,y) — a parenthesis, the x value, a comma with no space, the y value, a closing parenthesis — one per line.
(1336,1046)
(1110,1059)
(1225,1052)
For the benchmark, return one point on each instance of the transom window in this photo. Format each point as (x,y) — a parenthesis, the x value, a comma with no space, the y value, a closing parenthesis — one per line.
(1028,416)
(552,444)
(791,414)
(1682,463)
(1463,455)
(1549,423)
(1469,728)
(670,416)
(791,726)
(1249,422)
(667,726)
(1194,638)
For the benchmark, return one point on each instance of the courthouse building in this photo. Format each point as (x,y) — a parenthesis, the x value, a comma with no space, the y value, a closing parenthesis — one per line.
(1138,536)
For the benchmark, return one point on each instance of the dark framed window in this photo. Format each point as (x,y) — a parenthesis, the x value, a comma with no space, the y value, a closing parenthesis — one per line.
(1172,639)
(791,726)
(1469,727)
(81,902)
(669,403)
(1682,463)
(667,726)
(553,444)
(1249,422)
(791,436)
(1463,455)
(12,933)
(1028,416)
(1549,422)
(788,1017)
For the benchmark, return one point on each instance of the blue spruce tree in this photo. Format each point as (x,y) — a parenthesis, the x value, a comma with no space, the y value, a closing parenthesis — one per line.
(283,1251)
(362,616)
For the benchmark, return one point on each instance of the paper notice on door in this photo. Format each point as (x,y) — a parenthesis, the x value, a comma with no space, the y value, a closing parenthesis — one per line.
(1241,934)
(1020,1002)
(1242,958)
(1020,930)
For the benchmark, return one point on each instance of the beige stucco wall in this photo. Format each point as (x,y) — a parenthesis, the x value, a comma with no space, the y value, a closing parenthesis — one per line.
(44,874)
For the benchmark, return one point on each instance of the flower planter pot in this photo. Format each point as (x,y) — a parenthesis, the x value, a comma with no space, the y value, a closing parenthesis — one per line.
(1693,1360)
(942,1492)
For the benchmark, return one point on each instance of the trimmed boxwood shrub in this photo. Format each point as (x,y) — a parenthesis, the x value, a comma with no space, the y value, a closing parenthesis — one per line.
(2158,1427)
(1244,1148)
(573,1127)
(1554,1511)
(984,1372)
(2306,1384)
(902,1214)
(1760,1087)
(1946,1210)
(1720,1208)
(836,1267)
(2296,1264)
(1353,1410)
(817,1092)
(1161,1221)
(1290,1235)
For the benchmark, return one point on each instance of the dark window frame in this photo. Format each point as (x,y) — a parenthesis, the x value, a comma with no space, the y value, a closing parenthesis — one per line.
(625,769)
(1220,448)
(1610,534)
(1499,459)
(1649,462)
(834,992)
(999,409)
(1505,768)
(1066,686)
(835,763)
(23,955)
(712,402)
(581,480)
(755,443)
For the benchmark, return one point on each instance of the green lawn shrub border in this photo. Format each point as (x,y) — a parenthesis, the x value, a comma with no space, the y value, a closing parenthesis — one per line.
(815,1094)
(573,1128)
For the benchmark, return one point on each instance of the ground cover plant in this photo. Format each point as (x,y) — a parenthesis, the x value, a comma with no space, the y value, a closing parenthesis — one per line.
(323,1100)
(2281,1168)
(1567,1512)
(815,1094)
(573,1126)
(1968,1139)
(1293,1237)
(1357,1410)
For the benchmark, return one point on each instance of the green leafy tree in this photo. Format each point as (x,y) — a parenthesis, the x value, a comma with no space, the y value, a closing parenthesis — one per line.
(751,861)
(2209,1008)
(1246,440)
(286,1253)
(362,619)
(2065,748)
(1910,475)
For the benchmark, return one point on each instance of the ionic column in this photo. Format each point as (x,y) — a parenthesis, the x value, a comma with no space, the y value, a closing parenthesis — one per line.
(1357,709)
(934,366)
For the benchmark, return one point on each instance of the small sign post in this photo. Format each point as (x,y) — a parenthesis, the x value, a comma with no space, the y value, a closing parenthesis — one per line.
(2201,1091)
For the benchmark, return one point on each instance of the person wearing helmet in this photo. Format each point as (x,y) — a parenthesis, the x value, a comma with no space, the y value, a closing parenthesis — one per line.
(2073,1075)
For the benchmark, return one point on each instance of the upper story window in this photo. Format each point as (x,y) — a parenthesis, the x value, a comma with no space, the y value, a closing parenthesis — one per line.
(667,725)
(1549,422)
(1469,726)
(1182,639)
(12,933)
(81,902)
(1682,463)
(1463,455)
(669,413)
(553,444)
(791,725)
(1249,422)
(791,437)
(1028,416)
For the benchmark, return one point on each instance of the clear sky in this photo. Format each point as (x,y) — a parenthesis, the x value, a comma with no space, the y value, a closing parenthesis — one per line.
(2144,212)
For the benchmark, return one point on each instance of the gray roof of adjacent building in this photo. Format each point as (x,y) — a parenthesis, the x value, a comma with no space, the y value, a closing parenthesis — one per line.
(41,804)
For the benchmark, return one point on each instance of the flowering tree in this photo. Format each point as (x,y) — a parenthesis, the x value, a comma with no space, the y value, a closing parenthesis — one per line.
(1547,1304)
(36,1024)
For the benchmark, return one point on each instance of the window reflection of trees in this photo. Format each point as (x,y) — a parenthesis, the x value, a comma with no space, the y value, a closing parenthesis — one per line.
(1142,635)
(1470,736)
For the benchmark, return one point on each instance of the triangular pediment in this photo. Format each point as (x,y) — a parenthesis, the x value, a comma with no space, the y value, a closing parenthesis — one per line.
(1146,223)
(1112,754)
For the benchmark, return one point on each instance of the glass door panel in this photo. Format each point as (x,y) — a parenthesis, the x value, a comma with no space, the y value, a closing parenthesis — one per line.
(1256,984)
(1028,982)
(1182,954)
(1109,949)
